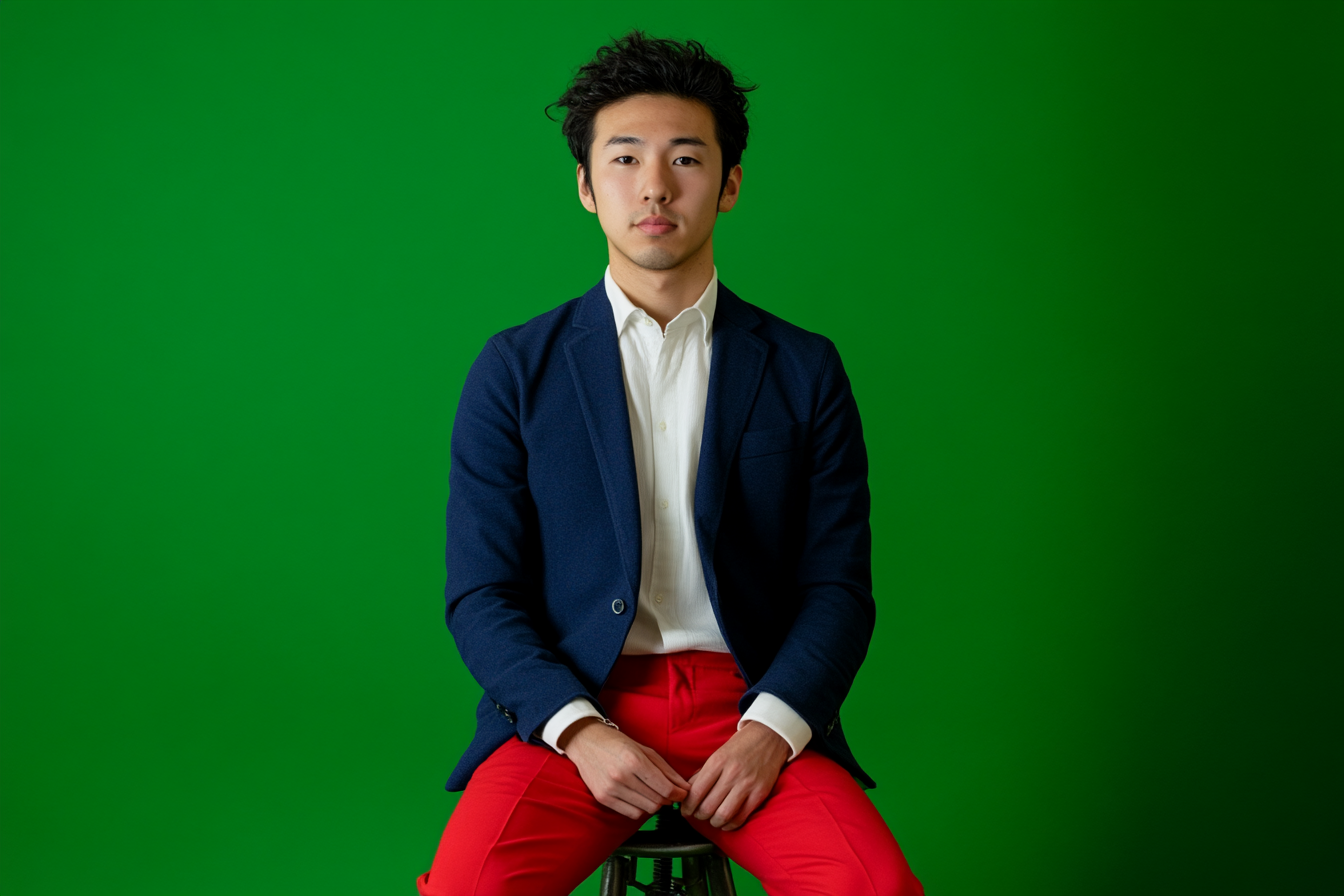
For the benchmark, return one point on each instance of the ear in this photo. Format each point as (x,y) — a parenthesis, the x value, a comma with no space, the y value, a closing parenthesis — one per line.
(731,190)
(585,194)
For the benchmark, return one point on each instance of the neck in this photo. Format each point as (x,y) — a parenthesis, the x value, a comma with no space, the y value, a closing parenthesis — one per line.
(662,295)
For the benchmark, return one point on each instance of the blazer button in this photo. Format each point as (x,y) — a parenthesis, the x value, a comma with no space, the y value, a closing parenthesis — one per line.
(618,606)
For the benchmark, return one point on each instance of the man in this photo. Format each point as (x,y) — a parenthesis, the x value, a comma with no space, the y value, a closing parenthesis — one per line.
(658,543)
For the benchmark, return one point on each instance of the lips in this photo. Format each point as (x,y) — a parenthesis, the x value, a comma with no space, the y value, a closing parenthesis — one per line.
(656,225)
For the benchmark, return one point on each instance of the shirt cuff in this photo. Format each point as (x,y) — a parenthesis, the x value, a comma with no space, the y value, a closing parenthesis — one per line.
(780,718)
(571,712)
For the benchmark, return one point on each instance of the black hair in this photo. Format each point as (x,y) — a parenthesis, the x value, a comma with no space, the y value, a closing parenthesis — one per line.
(639,64)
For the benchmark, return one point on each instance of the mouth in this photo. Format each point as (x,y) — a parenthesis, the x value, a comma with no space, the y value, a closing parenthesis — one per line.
(656,225)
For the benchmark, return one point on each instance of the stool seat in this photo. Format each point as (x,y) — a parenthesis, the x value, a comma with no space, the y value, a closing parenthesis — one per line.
(674,838)
(704,870)
(658,845)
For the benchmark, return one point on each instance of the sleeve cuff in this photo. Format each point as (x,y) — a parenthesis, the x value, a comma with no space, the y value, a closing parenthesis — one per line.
(780,718)
(571,712)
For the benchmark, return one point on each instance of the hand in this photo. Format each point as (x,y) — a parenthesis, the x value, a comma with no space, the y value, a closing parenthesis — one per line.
(621,774)
(737,777)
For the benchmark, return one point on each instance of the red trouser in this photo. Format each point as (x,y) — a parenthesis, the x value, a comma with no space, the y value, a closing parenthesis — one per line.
(527,825)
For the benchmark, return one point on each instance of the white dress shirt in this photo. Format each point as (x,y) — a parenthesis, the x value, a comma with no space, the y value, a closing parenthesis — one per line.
(666,383)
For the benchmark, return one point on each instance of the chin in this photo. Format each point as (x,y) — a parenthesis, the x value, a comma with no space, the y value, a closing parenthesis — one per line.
(655,259)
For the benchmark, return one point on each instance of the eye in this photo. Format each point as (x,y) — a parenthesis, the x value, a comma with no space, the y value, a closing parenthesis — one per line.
(685,160)
(625,160)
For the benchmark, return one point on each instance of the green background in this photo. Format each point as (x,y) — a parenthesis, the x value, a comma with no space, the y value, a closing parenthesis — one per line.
(1083,261)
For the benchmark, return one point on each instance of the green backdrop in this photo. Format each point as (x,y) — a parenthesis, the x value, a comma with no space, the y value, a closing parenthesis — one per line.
(1083,261)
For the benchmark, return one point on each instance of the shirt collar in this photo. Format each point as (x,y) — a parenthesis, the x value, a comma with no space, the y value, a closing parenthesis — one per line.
(622,307)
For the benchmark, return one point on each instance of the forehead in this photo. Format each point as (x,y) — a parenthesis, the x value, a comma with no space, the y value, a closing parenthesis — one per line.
(655,118)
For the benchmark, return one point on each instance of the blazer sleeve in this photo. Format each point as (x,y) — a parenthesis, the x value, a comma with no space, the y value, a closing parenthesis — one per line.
(494,590)
(815,666)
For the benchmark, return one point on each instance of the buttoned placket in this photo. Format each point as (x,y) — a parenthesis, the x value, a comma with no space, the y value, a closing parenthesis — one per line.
(662,353)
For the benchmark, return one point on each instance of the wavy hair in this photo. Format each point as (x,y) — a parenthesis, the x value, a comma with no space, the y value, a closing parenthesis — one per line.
(639,64)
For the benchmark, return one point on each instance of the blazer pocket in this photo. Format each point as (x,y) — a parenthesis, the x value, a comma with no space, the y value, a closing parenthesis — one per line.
(776,440)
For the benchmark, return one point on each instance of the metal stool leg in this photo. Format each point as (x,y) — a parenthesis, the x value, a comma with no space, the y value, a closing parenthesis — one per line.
(693,876)
(616,876)
(720,875)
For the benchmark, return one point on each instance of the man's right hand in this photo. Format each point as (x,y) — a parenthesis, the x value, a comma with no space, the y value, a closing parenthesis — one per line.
(622,775)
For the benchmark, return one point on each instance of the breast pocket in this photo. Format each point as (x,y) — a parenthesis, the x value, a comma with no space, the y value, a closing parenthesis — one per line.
(776,440)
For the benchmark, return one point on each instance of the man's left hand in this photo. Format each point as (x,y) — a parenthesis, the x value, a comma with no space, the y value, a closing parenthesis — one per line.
(737,777)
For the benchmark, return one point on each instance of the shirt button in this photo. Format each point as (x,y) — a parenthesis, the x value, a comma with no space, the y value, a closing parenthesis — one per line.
(663,426)
(657,598)
(662,504)
(618,606)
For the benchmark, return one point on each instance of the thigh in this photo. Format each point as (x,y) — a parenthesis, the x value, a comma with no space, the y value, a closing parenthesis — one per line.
(818,833)
(525,826)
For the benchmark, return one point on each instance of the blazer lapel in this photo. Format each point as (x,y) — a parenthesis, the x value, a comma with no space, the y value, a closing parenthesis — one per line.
(734,377)
(594,356)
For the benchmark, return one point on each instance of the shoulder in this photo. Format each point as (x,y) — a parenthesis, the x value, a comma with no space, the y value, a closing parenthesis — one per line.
(790,344)
(529,348)
(540,331)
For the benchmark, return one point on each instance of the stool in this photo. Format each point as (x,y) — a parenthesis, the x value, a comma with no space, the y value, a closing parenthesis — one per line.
(704,870)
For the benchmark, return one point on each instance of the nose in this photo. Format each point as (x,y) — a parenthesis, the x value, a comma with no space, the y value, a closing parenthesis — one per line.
(657,185)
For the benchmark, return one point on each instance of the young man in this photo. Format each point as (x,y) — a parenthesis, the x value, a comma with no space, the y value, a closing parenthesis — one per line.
(658,543)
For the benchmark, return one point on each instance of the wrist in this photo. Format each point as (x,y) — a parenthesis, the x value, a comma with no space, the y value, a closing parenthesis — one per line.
(779,747)
(575,728)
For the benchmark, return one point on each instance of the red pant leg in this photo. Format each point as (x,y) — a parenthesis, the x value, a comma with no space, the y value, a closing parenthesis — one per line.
(818,834)
(525,826)
(528,825)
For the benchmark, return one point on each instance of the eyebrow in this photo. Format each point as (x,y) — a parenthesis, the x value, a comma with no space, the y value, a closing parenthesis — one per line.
(622,139)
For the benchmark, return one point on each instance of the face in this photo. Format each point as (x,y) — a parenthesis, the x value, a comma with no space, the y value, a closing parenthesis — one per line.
(656,171)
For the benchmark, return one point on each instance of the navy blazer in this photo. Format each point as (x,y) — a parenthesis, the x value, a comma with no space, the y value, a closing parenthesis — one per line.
(544,525)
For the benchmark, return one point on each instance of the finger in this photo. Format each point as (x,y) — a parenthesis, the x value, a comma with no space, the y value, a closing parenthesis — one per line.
(637,772)
(663,790)
(709,806)
(666,768)
(753,802)
(639,792)
(608,789)
(624,808)
(654,773)
(625,786)
(702,782)
(668,789)
(693,796)
(641,801)
(729,807)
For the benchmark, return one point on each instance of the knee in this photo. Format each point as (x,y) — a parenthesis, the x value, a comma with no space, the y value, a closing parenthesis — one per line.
(883,875)
(863,878)
(898,881)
